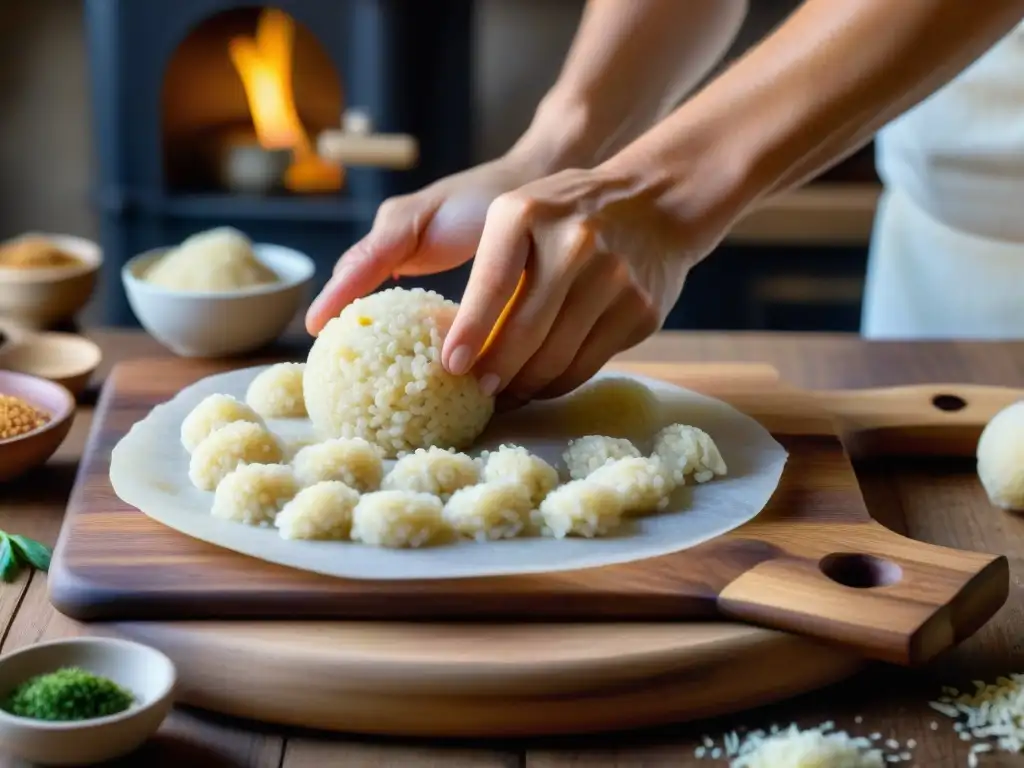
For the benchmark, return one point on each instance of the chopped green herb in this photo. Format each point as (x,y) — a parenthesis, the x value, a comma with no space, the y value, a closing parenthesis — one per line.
(68,694)
(17,551)
(9,565)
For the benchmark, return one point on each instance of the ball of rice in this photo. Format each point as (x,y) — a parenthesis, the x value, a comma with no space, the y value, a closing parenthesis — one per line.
(352,461)
(514,463)
(686,450)
(642,484)
(220,259)
(320,511)
(276,393)
(586,454)
(433,470)
(375,372)
(398,519)
(489,511)
(240,442)
(616,406)
(254,493)
(214,412)
(580,508)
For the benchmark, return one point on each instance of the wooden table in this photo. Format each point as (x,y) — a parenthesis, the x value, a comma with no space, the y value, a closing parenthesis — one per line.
(940,502)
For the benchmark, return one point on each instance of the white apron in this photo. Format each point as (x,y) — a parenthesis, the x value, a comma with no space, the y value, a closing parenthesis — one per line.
(947,251)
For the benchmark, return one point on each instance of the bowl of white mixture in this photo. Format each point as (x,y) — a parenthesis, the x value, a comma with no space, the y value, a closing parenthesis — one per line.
(217,294)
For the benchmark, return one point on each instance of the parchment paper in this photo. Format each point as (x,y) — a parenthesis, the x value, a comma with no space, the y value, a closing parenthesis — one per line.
(149,471)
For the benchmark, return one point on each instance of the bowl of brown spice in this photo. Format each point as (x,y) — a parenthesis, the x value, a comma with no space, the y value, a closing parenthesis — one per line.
(35,417)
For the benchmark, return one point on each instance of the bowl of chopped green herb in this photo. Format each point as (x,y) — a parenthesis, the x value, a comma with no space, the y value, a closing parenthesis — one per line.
(82,701)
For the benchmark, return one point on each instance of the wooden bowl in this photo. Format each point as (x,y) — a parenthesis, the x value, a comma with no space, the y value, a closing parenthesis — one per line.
(20,454)
(43,297)
(143,671)
(63,358)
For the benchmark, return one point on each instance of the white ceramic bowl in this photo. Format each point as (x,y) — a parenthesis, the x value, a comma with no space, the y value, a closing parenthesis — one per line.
(217,324)
(144,671)
(42,298)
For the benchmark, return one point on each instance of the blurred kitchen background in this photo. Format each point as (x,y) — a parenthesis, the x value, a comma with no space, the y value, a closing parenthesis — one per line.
(107,109)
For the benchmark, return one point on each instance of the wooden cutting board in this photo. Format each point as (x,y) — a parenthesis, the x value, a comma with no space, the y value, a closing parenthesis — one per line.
(813,562)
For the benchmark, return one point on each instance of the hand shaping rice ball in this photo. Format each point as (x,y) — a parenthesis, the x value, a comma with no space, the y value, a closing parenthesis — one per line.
(276,393)
(686,450)
(489,511)
(220,259)
(375,372)
(214,412)
(321,511)
(397,519)
(642,483)
(433,470)
(586,454)
(240,442)
(580,508)
(1001,458)
(353,461)
(515,463)
(254,493)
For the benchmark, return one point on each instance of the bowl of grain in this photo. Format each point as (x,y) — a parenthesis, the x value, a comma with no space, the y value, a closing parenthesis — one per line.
(46,279)
(217,294)
(35,417)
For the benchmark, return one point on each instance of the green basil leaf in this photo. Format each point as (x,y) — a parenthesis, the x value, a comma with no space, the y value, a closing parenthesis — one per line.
(35,553)
(9,566)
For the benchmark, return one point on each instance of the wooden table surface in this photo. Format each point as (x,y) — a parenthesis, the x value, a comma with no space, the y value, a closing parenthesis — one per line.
(938,501)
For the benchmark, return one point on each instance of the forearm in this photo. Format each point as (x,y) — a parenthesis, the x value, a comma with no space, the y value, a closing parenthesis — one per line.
(630,63)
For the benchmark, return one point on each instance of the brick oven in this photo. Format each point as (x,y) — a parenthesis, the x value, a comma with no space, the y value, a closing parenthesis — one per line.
(172,98)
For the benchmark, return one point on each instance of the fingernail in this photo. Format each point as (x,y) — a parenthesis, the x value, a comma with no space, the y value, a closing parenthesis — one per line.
(489,383)
(460,361)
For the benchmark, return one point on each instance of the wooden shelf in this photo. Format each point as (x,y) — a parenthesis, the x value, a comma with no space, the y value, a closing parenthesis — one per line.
(818,214)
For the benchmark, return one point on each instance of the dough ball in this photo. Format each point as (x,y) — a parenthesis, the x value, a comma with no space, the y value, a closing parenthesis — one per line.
(240,442)
(214,412)
(375,372)
(220,259)
(352,461)
(1001,458)
(276,393)
(642,484)
(580,508)
(616,406)
(320,511)
(686,450)
(433,470)
(489,511)
(398,519)
(585,454)
(254,493)
(516,464)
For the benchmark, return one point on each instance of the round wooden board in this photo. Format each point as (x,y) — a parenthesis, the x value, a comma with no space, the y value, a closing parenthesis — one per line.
(484,680)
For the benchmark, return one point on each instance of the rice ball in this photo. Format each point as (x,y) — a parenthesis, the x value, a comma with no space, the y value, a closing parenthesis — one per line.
(580,508)
(375,372)
(276,393)
(398,519)
(616,406)
(642,483)
(1000,457)
(515,463)
(240,442)
(214,412)
(433,470)
(254,493)
(686,450)
(220,259)
(489,511)
(586,454)
(320,511)
(353,461)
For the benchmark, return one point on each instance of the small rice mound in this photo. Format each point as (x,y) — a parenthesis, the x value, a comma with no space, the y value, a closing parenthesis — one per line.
(516,464)
(489,511)
(353,461)
(580,508)
(254,493)
(220,259)
(214,412)
(321,511)
(240,442)
(433,470)
(375,372)
(587,454)
(398,519)
(276,393)
(642,484)
(616,406)
(686,450)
